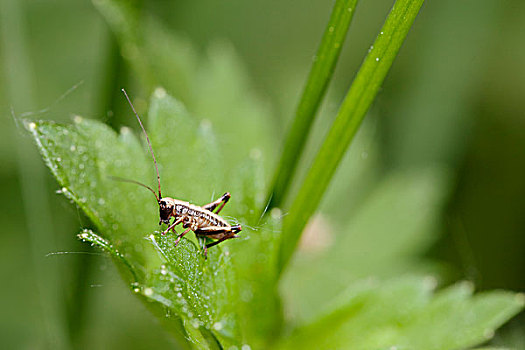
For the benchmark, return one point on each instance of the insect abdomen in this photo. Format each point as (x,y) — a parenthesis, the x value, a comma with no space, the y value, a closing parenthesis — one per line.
(202,216)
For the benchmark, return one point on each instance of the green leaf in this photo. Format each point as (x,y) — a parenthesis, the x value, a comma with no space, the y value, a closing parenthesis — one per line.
(459,321)
(201,300)
(403,314)
(357,102)
(320,75)
(215,88)
(385,236)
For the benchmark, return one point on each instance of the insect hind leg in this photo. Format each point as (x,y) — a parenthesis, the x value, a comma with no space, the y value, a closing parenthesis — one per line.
(221,202)
(220,240)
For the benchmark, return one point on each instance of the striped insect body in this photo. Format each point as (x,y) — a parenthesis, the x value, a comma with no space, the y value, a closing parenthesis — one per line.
(204,220)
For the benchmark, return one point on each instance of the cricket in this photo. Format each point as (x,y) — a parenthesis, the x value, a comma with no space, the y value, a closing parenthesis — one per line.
(204,220)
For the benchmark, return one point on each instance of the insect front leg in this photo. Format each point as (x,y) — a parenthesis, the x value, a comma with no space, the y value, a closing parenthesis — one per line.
(172,226)
(221,201)
(180,236)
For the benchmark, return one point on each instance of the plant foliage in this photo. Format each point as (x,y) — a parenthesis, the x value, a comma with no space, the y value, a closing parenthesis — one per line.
(232,299)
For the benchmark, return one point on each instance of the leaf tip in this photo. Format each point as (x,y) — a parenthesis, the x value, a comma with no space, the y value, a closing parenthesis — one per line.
(467,287)
(430,282)
(488,333)
(30,125)
(520,299)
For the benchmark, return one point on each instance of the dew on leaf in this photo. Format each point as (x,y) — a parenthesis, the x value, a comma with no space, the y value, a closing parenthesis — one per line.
(276,213)
(160,93)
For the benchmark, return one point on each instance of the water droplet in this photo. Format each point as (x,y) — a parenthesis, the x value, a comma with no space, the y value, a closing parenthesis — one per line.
(77,119)
(101,201)
(160,93)
(331,29)
(72,148)
(246,347)
(217,326)
(377,59)
(136,290)
(381,33)
(276,213)
(148,292)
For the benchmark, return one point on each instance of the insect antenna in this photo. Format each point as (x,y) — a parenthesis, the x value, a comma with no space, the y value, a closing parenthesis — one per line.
(150,148)
(116,178)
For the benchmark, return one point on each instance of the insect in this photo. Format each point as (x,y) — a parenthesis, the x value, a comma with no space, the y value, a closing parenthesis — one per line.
(203,221)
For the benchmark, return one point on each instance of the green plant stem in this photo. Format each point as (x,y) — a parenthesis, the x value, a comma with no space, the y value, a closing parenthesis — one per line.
(357,102)
(313,93)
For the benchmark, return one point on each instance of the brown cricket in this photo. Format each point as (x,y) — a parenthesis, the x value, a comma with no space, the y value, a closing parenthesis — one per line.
(203,221)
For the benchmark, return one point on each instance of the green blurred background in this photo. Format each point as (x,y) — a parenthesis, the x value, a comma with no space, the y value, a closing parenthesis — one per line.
(453,101)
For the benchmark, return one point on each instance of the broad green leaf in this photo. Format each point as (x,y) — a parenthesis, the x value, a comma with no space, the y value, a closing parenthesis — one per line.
(364,317)
(210,303)
(215,88)
(403,314)
(459,320)
(320,75)
(384,236)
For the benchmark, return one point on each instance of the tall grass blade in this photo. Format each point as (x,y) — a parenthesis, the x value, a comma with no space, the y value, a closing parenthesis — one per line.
(313,93)
(357,102)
